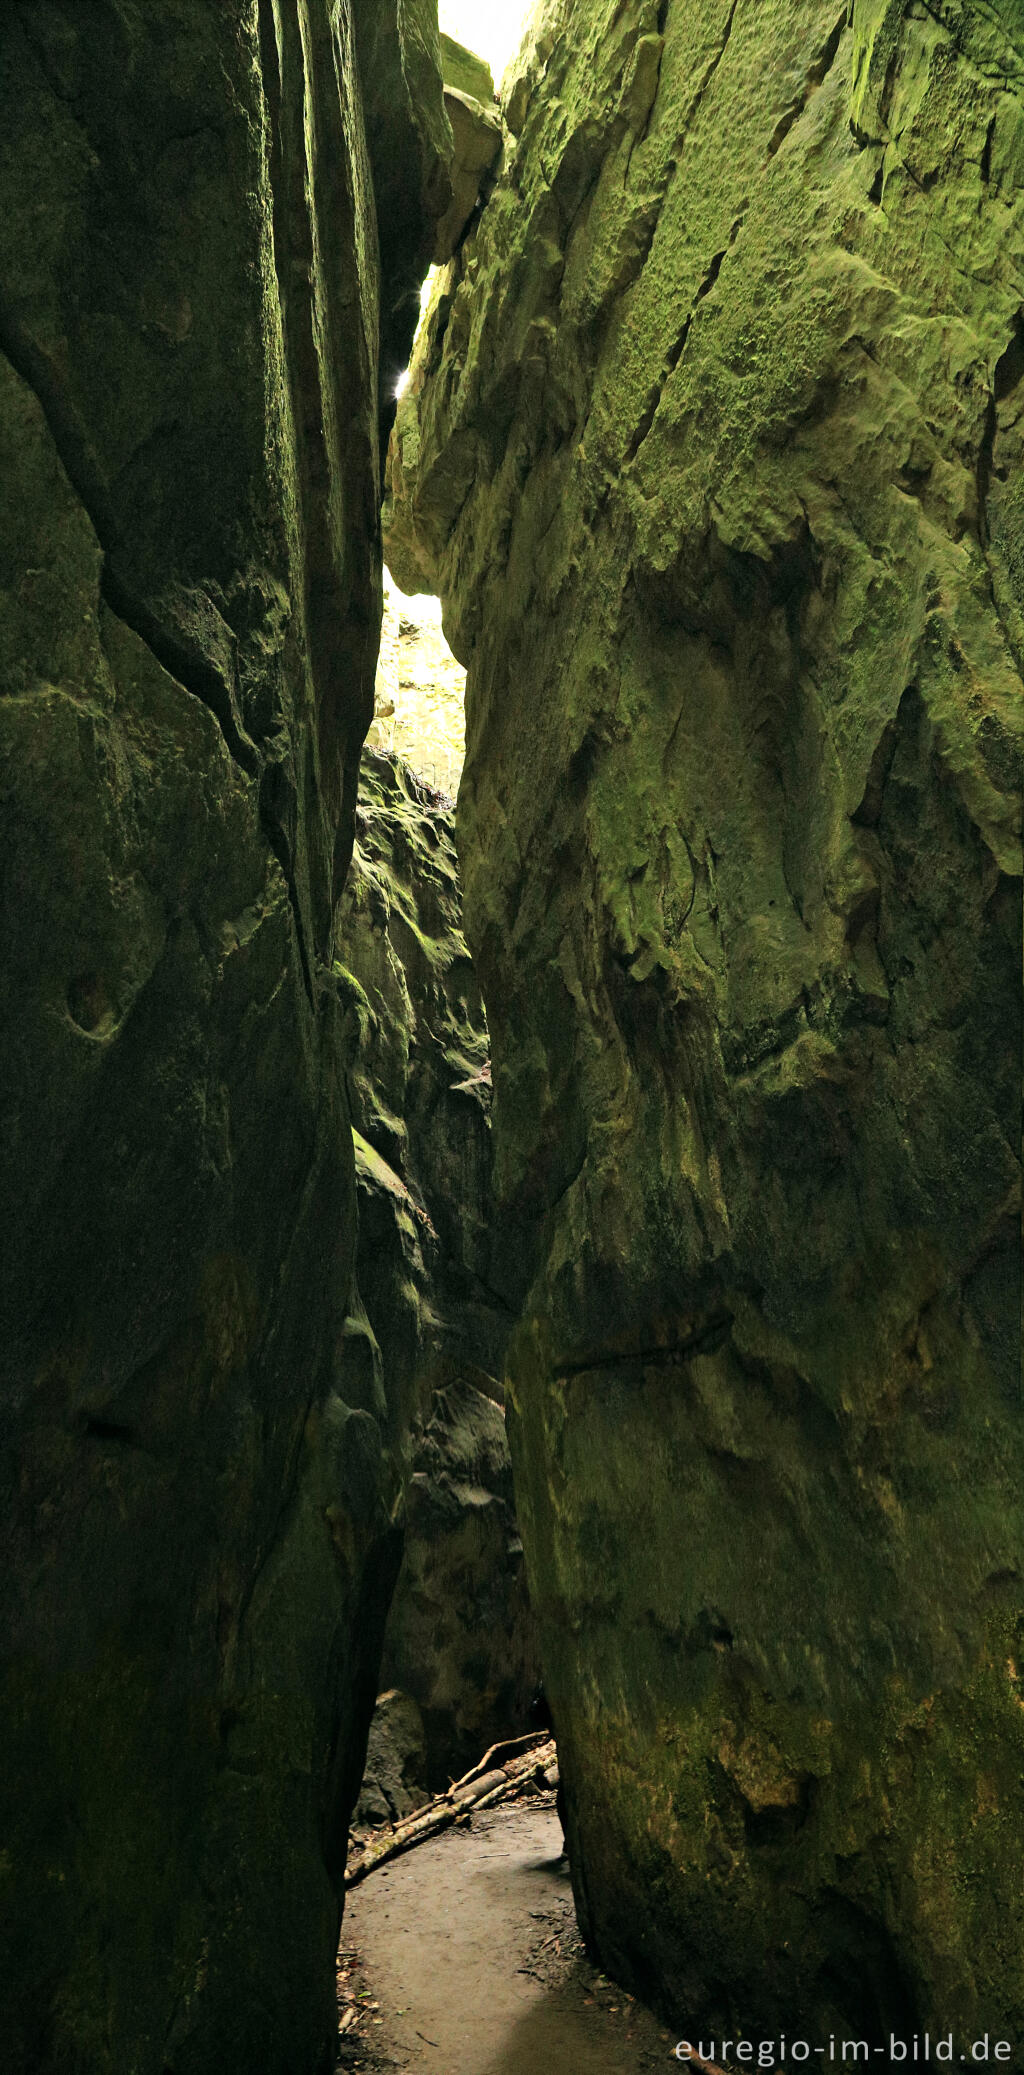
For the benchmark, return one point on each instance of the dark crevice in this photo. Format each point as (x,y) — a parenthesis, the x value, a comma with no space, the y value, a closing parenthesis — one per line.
(986,154)
(776,1824)
(817,72)
(705,1339)
(868,813)
(710,69)
(889,82)
(74,447)
(279,844)
(1009,373)
(1010,366)
(675,353)
(99,1429)
(188,668)
(983,472)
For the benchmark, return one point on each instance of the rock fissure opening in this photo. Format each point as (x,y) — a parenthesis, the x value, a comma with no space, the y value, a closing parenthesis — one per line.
(680,1281)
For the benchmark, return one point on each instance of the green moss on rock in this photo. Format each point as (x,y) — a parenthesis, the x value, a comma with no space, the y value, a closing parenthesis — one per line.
(711,449)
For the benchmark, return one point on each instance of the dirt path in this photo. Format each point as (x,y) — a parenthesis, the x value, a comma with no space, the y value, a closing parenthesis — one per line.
(466,1960)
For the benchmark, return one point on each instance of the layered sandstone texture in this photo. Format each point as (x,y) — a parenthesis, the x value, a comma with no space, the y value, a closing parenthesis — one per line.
(459,1639)
(205,212)
(713,450)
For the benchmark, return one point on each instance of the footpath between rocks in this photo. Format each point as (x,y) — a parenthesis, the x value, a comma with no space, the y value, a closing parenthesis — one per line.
(463,1958)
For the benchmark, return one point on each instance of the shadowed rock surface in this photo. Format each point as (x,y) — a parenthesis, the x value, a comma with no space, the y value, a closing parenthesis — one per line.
(459,1641)
(460,1635)
(712,449)
(396,1757)
(201,1480)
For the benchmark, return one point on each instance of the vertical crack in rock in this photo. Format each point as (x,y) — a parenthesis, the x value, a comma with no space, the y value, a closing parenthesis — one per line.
(673,358)
(817,73)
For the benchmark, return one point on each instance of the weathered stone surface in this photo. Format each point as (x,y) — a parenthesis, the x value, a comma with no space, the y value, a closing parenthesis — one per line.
(714,452)
(459,1639)
(463,69)
(476,130)
(200,1489)
(396,1758)
(460,1635)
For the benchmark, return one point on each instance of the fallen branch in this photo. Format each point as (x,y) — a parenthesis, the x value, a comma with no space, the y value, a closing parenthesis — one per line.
(498,1754)
(496,1781)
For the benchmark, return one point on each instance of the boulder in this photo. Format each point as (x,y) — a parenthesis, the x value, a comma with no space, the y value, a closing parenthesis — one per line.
(460,1634)
(476,131)
(201,1475)
(464,71)
(395,1762)
(712,449)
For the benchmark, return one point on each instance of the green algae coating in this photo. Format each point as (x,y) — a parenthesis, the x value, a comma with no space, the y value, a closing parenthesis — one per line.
(461,68)
(712,450)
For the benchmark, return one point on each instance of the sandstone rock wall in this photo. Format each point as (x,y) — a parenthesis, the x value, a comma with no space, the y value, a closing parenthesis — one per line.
(201,1483)
(459,1641)
(713,451)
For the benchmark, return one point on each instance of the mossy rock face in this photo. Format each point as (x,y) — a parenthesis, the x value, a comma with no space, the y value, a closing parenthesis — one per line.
(199,1508)
(712,450)
(462,69)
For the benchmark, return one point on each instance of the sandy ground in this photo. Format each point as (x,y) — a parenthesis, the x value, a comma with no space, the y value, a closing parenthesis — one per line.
(464,1959)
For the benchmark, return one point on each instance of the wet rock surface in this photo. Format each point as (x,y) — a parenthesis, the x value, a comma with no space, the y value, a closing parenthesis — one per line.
(711,448)
(201,1483)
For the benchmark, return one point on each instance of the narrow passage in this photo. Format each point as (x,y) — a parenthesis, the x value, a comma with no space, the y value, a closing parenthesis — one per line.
(469,1948)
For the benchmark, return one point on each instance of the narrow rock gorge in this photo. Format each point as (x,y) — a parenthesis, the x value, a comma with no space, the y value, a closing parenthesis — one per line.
(459,1644)
(712,450)
(215,225)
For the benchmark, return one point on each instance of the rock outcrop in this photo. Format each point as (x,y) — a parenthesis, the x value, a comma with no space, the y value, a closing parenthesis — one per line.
(460,1636)
(396,1759)
(201,1483)
(713,451)
(459,1640)
(476,130)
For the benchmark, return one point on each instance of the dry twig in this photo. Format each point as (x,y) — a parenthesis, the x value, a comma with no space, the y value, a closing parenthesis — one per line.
(497,1781)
